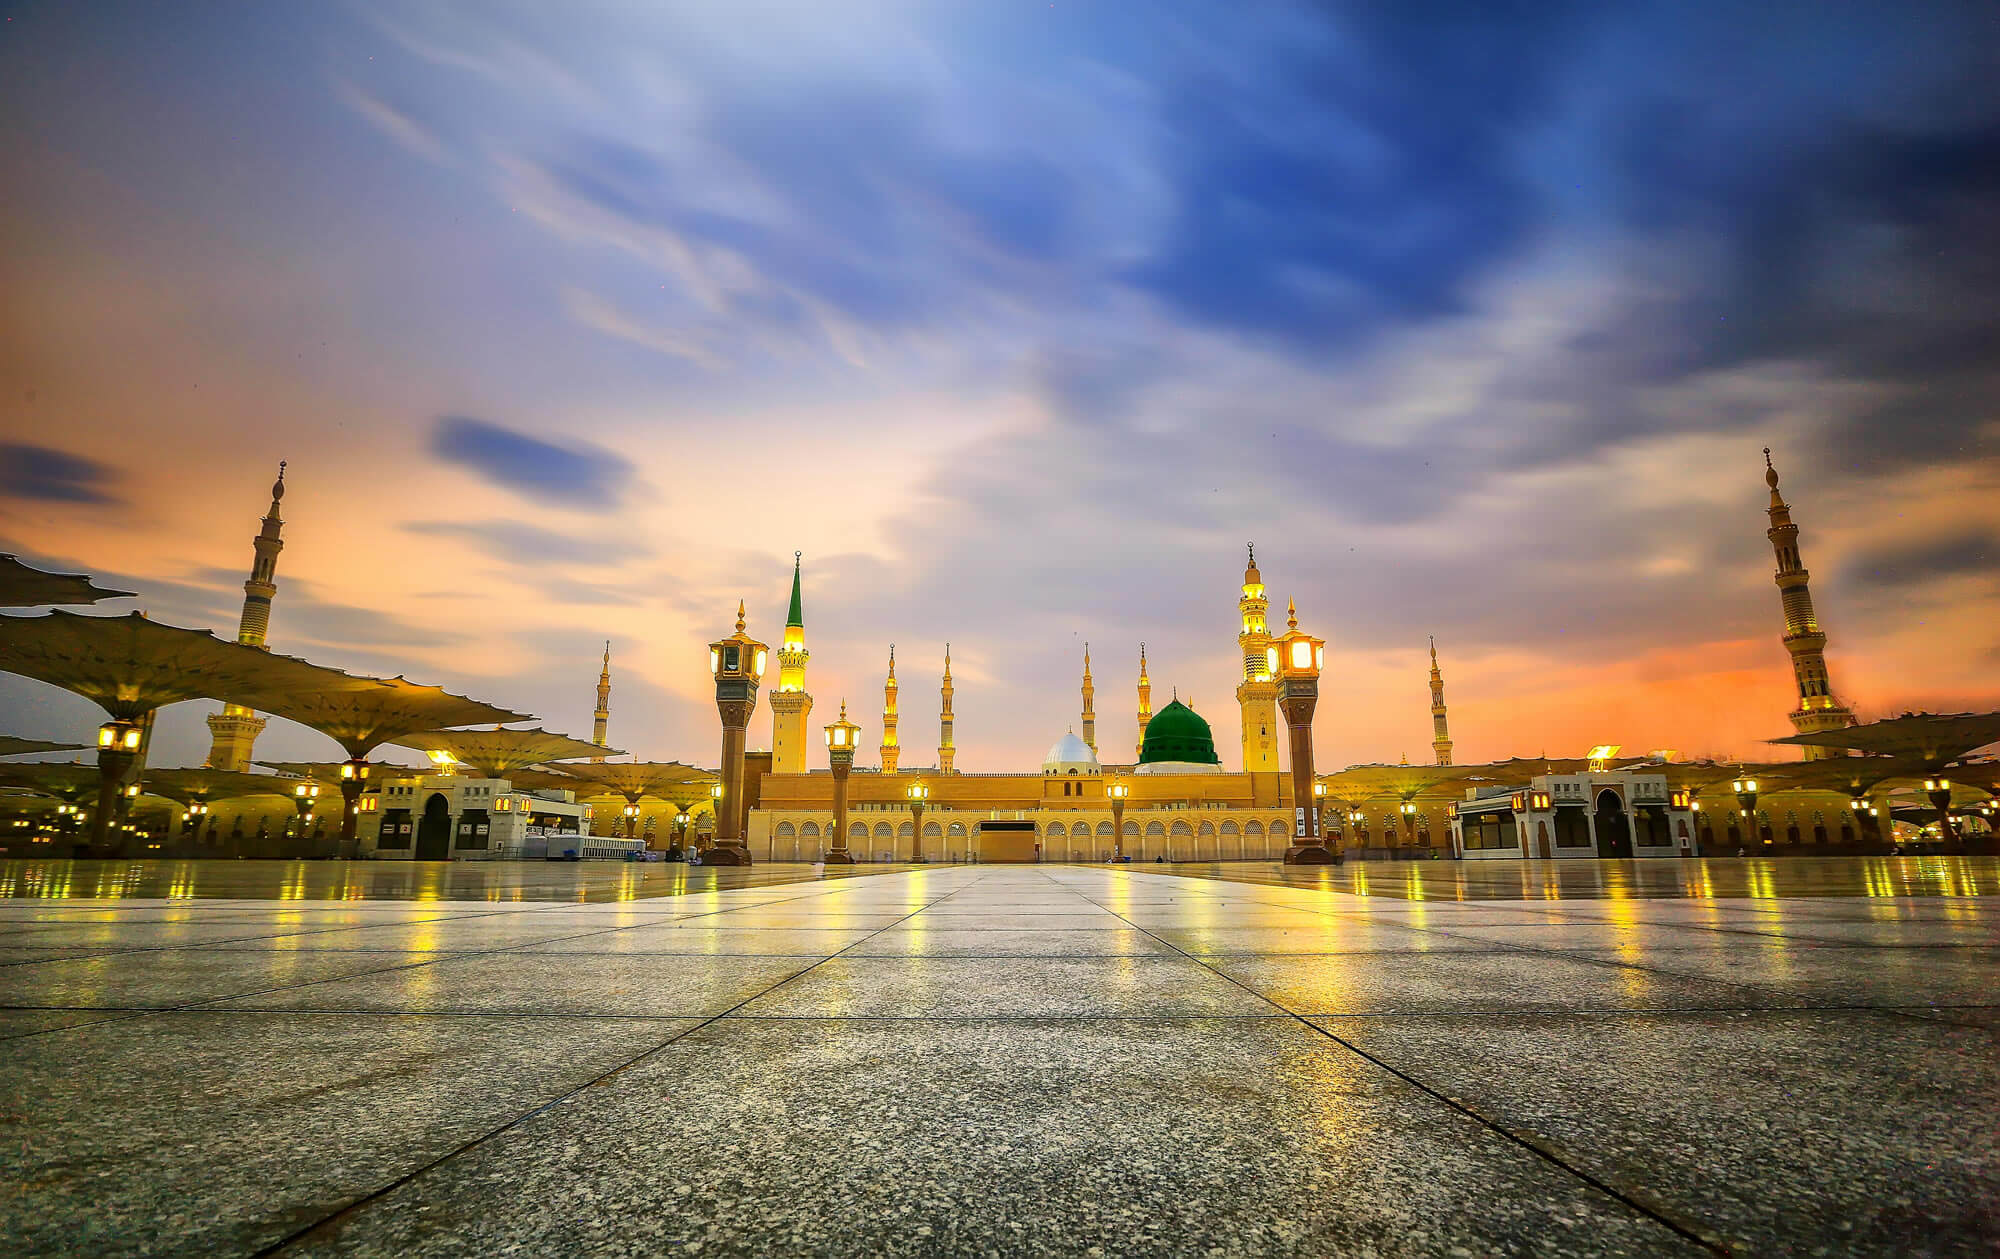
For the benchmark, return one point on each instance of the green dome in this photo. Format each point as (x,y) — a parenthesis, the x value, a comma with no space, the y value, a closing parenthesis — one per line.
(1177,733)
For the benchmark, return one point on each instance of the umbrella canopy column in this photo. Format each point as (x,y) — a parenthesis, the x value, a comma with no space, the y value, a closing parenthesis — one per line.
(129,666)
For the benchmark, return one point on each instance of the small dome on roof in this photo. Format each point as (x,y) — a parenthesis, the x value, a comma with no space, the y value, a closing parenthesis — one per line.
(1070,754)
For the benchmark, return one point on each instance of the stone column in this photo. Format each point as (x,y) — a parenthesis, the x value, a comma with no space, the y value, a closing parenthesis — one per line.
(729,849)
(840,761)
(1298,697)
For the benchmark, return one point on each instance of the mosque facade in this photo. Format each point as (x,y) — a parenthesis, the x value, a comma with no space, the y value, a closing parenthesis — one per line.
(1183,804)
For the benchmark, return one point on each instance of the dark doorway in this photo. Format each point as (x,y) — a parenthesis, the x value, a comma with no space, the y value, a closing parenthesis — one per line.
(1614,832)
(434,832)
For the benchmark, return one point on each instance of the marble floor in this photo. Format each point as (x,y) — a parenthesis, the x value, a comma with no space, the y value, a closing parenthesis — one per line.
(1725,1057)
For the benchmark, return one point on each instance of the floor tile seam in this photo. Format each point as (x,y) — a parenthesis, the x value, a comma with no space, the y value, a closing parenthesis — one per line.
(1609,963)
(1548,1156)
(385,970)
(842,952)
(360,1203)
(110,1016)
(1748,986)
(1281,1013)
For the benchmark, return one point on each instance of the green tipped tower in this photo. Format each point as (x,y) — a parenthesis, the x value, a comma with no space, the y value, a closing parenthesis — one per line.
(790,704)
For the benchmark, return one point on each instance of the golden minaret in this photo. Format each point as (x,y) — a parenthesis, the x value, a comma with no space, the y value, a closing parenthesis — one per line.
(1258,695)
(1440,733)
(891,752)
(1145,704)
(601,719)
(1089,704)
(1817,710)
(946,752)
(233,731)
(790,705)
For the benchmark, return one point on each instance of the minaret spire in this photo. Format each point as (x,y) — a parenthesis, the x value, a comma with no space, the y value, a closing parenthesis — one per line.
(1257,696)
(1440,733)
(601,719)
(947,753)
(790,704)
(1818,710)
(1089,704)
(891,751)
(233,731)
(1145,703)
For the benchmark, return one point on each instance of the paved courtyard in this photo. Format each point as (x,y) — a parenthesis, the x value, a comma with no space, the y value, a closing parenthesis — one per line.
(1671,1057)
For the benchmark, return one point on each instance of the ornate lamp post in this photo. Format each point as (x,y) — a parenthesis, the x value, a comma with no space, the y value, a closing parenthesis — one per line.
(1118,791)
(117,747)
(1746,803)
(738,665)
(353,780)
(841,740)
(1938,792)
(1409,812)
(1355,817)
(197,816)
(631,816)
(918,793)
(1295,660)
(305,798)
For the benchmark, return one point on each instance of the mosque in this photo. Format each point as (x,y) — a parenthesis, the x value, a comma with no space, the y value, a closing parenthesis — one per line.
(1176,799)
(1178,802)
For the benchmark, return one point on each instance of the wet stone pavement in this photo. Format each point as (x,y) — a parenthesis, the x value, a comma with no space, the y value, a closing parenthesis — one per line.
(1730,1057)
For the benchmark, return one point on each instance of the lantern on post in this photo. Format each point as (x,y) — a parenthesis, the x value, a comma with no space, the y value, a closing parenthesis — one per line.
(917,793)
(1118,791)
(842,737)
(737,662)
(1296,659)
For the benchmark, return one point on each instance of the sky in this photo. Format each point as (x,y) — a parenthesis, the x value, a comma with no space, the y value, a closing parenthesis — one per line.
(1020,320)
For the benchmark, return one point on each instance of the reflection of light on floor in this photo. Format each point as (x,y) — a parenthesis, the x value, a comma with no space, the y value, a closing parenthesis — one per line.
(1876,878)
(1758,875)
(182,886)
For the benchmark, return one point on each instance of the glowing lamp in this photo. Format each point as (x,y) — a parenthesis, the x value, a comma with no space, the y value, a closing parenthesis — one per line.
(119,736)
(1299,654)
(738,657)
(842,734)
(918,793)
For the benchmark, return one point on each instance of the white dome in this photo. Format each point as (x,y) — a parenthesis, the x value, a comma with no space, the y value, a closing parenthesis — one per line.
(1070,753)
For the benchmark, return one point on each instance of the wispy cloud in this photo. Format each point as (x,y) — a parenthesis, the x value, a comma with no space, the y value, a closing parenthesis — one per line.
(574,474)
(392,122)
(46,475)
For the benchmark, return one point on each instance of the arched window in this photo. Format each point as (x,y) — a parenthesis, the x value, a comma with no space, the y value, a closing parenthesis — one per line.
(809,831)
(786,830)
